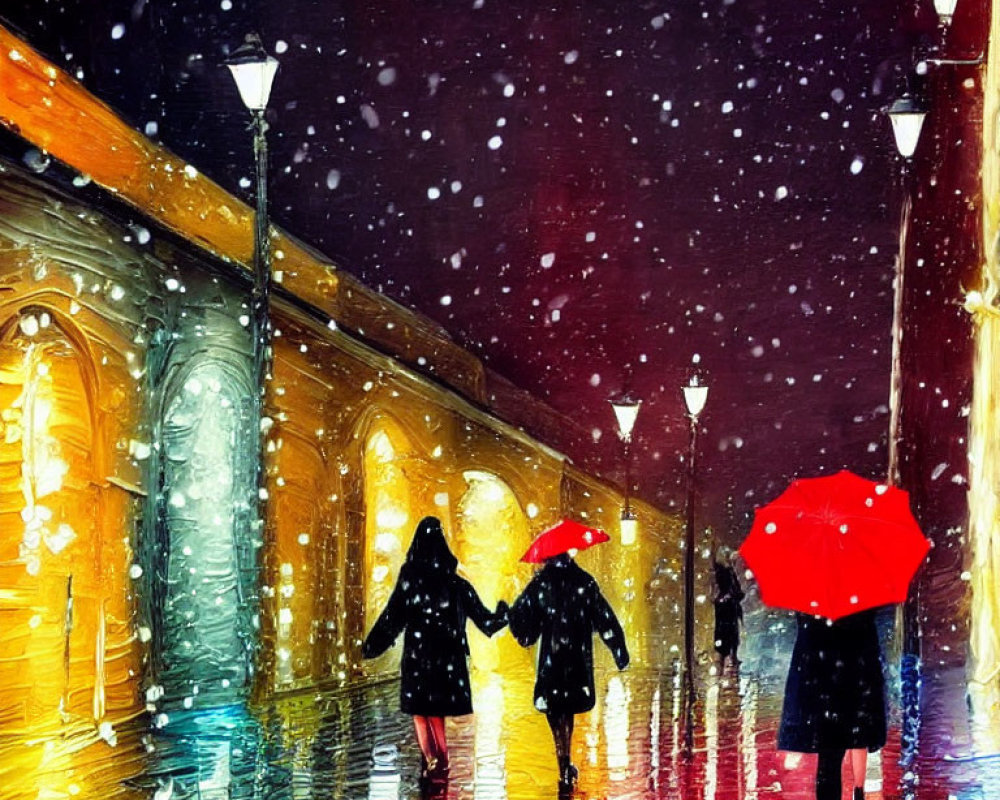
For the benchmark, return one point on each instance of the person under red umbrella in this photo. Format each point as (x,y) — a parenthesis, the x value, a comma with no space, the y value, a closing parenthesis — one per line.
(834,702)
(431,603)
(833,549)
(561,609)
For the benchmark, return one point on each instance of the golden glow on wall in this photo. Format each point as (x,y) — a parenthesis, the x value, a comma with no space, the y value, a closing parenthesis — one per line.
(66,646)
(984,434)
(51,632)
(490,537)
(389,521)
(301,596)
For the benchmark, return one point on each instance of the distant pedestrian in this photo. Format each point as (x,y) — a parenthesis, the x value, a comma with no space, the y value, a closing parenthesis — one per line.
(431,603)
(728,609)
(835,698)
(562,607)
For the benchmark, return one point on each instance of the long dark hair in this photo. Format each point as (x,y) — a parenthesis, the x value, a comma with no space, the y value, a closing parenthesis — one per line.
(429,548)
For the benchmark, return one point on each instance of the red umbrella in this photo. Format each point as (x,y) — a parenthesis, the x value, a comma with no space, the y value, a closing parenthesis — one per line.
(564,536)
(835,545)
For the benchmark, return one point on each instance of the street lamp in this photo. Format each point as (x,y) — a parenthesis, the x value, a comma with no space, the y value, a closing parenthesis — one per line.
(695,396)
(253,70)
(626,410)
(907,118)
(945,10)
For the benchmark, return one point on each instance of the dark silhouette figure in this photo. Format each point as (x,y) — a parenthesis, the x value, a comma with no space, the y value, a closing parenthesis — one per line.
(563,608)
(431,603)
(835,697)
(728,613)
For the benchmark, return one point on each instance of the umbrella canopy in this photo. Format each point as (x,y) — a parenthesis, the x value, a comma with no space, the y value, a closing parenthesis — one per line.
(562,537)
(835,545)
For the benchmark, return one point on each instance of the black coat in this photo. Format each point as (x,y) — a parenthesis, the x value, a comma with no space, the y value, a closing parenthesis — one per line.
(563,607)
(431,604)
(835,693)
(728,610)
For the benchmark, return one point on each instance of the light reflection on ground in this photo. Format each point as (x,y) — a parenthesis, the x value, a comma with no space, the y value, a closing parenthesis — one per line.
(356,744)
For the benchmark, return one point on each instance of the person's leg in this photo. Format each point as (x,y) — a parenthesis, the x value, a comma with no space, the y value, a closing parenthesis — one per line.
(439,741)
(423,732)
(571,770)
(859,766)
(720,659)
(561,726)
(828,767)
(556,725)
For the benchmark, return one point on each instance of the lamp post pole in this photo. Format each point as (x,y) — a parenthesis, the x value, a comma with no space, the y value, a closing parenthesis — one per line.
(694,398)
(907,118)
(253,70)
(261,298)
(895,367)
(627,513)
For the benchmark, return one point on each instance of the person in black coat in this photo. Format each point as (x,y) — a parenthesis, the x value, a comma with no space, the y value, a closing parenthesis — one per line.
(431,603)
(562,607)
(728,611)
(835,697)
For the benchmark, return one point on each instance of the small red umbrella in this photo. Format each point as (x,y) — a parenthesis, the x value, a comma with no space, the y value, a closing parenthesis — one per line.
(834,545)
(562,537)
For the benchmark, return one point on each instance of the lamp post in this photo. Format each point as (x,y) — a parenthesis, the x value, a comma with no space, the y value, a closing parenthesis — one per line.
(253,70)
(907,118)
(695,397)
(626,410)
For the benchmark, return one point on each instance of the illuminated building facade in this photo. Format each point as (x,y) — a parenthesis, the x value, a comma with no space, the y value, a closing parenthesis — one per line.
(133,578)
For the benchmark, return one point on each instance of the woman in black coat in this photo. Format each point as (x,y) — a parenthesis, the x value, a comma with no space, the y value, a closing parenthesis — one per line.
(563,608)
(728,613)
(431,603)
(835,697)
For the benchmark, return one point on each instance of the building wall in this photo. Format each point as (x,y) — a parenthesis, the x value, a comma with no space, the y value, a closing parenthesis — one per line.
(983,560)
(71,389)
(133,574)
(948,443)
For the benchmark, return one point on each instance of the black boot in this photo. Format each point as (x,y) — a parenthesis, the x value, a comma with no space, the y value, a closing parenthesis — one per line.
(859,793)
(568,775)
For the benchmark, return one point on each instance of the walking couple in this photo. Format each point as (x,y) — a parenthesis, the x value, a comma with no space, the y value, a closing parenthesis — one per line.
(561,609)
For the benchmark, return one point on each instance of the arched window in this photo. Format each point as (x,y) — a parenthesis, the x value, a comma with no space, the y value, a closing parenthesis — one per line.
(492,533)
(206,565)
(50,563)
(389,519)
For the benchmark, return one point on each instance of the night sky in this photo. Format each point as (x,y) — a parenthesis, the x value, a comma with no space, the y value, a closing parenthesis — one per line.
(589,196)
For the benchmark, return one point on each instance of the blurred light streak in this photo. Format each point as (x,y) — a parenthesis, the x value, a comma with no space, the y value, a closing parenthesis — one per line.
(748,737)
(488,750)
(617,698)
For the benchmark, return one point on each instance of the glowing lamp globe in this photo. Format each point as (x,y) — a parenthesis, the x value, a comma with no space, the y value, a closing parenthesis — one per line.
(629,528)
(695,397)
(945,10)
(907,117)
(626,410)
(253,70)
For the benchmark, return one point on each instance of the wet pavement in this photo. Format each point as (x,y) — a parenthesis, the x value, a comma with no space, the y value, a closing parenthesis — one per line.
(356,744)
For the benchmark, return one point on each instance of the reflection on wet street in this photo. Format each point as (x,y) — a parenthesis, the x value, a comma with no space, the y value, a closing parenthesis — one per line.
(356,744)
